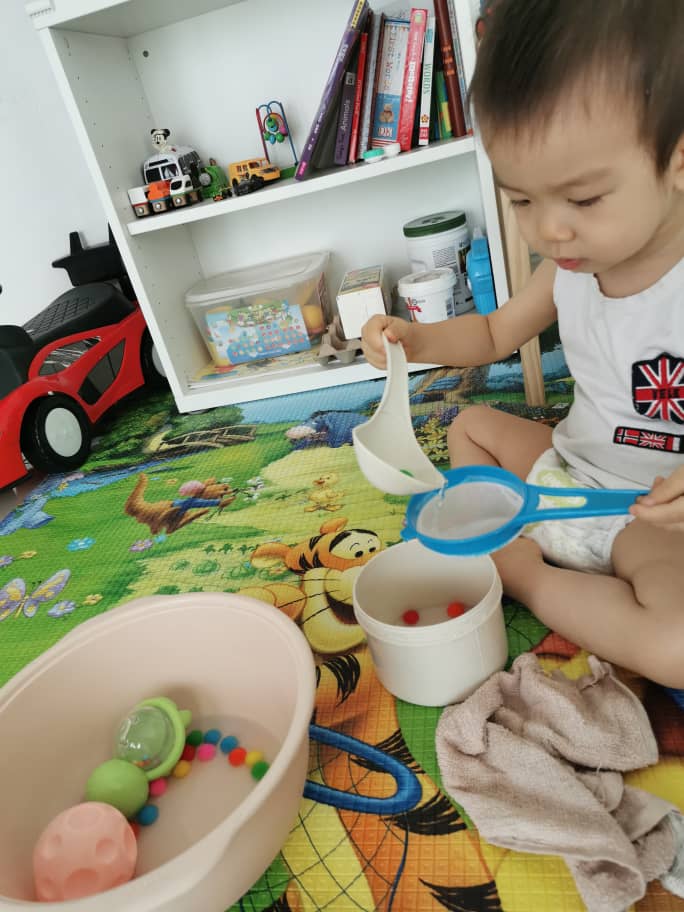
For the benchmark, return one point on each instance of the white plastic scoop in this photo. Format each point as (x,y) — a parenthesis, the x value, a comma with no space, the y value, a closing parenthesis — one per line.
(386,448)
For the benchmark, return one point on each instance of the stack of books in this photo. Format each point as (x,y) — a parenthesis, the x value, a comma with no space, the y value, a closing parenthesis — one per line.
(394,79)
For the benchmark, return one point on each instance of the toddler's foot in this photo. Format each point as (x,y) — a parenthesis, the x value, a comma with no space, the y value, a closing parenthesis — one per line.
(518,564)
(673,880)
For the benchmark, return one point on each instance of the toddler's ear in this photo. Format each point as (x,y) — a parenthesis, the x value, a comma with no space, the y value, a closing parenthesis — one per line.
(677,164)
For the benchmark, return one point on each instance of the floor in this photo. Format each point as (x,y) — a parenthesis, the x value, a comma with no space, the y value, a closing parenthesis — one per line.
(11,498)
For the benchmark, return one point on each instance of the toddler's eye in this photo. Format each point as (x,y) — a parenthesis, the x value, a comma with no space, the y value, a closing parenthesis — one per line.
(587,202)
(521,202)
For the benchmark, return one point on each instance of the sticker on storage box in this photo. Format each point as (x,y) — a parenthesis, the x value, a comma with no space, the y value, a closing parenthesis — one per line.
(255,332)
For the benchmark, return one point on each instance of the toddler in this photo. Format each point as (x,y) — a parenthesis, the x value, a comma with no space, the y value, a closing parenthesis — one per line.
(580,106)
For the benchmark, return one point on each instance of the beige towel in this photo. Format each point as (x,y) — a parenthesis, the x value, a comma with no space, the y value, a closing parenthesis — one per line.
(536,761)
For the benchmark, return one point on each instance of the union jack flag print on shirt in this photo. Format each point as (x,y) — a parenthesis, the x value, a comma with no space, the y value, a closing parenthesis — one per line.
(658,388)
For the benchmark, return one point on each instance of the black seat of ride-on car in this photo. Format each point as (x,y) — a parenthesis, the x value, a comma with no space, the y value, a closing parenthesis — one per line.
(17,349)
(78,310)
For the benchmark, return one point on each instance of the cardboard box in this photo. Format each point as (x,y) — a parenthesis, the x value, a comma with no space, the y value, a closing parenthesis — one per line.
(361,295)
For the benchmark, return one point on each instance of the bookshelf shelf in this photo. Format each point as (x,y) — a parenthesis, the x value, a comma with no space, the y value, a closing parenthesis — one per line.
(297,380)
(114,18)
(292,189)
(200,68)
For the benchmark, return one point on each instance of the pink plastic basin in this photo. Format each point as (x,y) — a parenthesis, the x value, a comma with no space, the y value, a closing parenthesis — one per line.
(239,666)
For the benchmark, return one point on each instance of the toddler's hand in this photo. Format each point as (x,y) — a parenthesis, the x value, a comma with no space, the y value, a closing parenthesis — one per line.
(664,504)
(396,330)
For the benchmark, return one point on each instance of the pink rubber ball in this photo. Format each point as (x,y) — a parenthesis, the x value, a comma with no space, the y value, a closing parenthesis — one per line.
(86,849)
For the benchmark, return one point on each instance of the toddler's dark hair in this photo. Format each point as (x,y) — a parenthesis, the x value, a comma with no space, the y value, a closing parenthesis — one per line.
(535,51)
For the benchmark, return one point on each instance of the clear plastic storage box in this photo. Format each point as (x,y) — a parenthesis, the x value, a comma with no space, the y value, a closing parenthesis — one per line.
(262,311)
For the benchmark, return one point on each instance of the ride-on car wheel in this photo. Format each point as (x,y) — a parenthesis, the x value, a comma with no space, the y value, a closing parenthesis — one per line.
(152,368)
(55,435)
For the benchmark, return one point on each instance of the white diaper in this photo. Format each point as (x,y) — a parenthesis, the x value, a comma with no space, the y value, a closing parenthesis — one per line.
(576,544)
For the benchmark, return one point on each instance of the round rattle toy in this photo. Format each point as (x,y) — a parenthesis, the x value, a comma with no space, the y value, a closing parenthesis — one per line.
(148,745)
(85,850)
(152,736)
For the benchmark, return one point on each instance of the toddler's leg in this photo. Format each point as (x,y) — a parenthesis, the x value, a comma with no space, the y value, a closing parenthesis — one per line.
(481,435)
(634,619)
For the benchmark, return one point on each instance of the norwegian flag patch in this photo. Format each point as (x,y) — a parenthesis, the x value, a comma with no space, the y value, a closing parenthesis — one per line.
(658,388)
(648,440)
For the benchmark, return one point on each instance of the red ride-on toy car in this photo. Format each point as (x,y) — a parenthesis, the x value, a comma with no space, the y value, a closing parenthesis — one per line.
(61,371)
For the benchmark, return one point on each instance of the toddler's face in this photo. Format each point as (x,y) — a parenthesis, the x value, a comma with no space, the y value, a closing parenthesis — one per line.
(585,190)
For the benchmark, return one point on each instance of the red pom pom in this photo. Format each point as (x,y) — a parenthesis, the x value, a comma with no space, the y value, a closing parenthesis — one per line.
(456,609)
(410,617)
(237,756)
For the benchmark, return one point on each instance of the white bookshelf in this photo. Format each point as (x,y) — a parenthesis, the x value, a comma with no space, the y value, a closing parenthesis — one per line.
(200,67)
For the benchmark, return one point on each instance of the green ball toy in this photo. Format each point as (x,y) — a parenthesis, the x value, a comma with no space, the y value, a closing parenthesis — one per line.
(119,783)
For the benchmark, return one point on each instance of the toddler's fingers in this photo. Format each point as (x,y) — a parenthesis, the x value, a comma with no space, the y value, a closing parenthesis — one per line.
(396,329)
(663,514)
(663,491)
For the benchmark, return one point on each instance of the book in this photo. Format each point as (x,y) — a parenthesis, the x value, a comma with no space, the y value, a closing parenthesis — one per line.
(324,153)
(426,82)
(445,129)
(390,82)
(460,71)
(411,85)
(446,44)
(289,364)
(355,24)
(435,132)
(358,98)
(416,119)
(375,29)
(345,116)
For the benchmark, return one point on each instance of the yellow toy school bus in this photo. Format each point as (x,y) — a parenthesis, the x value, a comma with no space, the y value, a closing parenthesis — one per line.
(262,167)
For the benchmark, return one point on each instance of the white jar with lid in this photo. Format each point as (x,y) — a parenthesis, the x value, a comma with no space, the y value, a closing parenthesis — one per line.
(429,295)
(442,239)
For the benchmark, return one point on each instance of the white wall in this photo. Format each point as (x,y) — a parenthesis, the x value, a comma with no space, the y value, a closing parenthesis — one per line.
(47,191)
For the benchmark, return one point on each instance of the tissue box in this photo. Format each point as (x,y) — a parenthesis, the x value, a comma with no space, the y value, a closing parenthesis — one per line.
(361,295)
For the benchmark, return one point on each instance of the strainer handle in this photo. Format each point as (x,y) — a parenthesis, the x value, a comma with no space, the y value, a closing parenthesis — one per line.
(597,502)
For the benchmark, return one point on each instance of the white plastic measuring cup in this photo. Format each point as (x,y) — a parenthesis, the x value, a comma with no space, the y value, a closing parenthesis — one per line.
(385,446)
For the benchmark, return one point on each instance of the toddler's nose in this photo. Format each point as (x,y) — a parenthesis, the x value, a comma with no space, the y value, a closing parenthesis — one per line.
(553,228)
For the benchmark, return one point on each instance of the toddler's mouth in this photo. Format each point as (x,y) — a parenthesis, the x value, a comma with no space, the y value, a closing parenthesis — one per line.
(568,264)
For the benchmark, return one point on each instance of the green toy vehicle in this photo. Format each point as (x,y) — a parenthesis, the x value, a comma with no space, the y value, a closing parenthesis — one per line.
(213,181)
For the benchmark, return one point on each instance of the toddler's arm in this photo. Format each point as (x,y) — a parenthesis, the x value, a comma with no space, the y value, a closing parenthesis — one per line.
(470,339)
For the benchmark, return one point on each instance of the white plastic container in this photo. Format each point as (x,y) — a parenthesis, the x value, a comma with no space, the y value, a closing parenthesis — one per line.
(443,662)
(429,295)
(238,665)
(262,311)
(441,239)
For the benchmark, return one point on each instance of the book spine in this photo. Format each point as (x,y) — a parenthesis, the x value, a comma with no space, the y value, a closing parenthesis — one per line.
(445,130)
(345,118)
(460,72)
(335,77)
(411,84)
(390,83)
(356,117)
(369,88)
(447,47)
(426,82)
(435,126)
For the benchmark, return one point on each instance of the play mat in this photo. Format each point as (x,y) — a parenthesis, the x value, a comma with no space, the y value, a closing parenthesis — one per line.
(261,499)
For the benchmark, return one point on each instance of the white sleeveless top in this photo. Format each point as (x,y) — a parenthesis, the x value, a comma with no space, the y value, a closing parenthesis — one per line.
(626,423)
